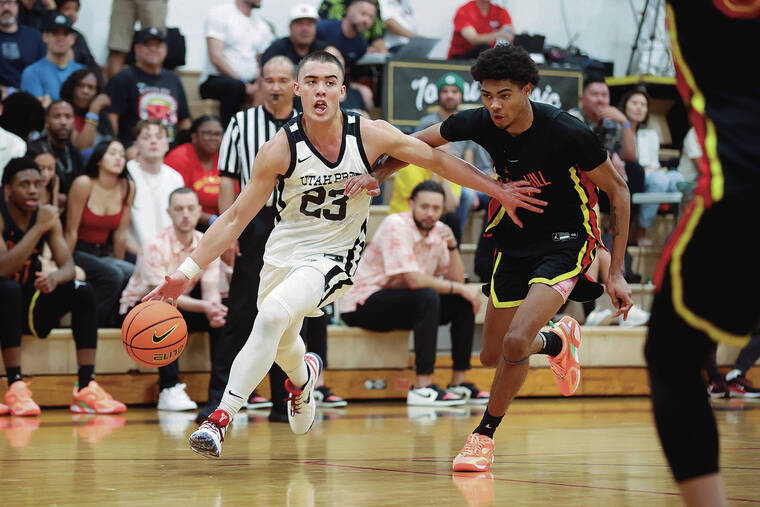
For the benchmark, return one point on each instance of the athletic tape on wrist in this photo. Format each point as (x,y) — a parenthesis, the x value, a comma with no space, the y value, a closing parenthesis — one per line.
(189,268)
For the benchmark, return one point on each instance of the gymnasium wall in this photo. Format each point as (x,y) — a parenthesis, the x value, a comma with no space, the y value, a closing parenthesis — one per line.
(602,28)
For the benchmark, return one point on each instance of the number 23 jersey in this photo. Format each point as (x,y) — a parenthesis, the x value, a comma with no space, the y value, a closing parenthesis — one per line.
(313,216)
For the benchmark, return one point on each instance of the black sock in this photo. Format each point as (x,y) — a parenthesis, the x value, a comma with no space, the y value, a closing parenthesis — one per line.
(488,424)
(86,373)
(552,343)
(13,373)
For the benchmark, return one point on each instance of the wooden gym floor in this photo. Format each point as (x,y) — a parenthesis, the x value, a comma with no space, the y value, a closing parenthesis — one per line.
(579,451)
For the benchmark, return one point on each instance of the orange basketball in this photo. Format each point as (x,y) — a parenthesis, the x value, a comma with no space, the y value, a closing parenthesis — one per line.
(154,333)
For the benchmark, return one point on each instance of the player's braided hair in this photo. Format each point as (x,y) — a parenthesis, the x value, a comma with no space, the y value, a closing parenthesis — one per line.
(505,61)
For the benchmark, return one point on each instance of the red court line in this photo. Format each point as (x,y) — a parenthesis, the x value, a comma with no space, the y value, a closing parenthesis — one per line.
(543,483)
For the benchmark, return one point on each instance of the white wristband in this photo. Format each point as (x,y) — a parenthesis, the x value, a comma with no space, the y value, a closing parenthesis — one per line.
(189,268)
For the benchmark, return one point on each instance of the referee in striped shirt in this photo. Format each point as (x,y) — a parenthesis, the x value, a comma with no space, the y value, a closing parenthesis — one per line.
(245,135)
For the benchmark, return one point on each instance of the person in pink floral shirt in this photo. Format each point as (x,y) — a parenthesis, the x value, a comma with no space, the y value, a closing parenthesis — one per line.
(412,277)
(201,306)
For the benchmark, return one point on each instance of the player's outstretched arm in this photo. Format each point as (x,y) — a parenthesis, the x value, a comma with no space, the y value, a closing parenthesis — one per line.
(384,138)
(271,161)
(607,179)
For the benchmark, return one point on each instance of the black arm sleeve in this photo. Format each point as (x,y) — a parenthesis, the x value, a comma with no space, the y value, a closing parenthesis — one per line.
(465,125)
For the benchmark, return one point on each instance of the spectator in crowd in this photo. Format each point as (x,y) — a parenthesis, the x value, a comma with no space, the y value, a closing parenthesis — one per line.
(336,9)
(635,106)
(450,97)
(23,115)
(201,306)
(33,302)
(609,123)
(613,130)
(688,166)
(245,135)
(81,49)
(59,124)
(235,39)
(98,209)
(303,36)
(198,161)
(412,277)
(478,25)
(154,181)
(20,46)
(400,25)
(11,146)
(346,33)
(44,78)
(44,157)
(34,13)
(406,180)
(84,91)
(124,13)
(354,99)
(147,91)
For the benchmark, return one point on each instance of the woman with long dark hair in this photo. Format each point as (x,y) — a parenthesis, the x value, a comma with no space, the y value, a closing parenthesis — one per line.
(97,217)
(84,91)
(635,106)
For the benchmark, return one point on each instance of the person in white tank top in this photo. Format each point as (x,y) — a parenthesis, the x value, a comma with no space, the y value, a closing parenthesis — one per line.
(321,164)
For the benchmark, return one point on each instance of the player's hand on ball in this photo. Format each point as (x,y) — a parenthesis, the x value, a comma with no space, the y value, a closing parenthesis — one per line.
(171,289)
(620,294)
(355,184)
(519,194)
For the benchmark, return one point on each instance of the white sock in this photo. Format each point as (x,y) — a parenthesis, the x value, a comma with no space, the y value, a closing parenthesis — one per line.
(733,374)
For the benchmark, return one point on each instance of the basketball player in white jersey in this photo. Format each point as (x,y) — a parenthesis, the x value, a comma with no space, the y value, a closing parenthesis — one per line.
(313,251)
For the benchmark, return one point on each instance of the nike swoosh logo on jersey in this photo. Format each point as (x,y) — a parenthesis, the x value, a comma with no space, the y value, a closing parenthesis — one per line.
(159,339)
(304,159)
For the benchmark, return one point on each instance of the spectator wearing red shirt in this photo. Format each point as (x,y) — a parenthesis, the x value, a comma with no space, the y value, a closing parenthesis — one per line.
(477,26)
(197,162)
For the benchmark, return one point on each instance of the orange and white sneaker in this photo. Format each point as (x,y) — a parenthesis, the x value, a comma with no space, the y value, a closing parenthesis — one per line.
(566,365)
(19,400)
(476,455)
(93,399)
(4,409)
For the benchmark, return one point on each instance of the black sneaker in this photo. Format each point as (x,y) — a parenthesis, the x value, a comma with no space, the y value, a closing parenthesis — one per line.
(743,388)
(326,398)
(718,390)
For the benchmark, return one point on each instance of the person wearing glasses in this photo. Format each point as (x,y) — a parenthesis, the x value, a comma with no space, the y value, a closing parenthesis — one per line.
(197,162)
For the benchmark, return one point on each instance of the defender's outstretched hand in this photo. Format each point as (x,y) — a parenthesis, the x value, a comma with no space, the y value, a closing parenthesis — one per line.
(355,184)
(171,289)
(519,194)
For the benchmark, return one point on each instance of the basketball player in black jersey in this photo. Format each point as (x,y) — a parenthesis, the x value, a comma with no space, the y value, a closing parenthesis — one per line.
(539,257)
(707,280)
(33,301)
(316,141)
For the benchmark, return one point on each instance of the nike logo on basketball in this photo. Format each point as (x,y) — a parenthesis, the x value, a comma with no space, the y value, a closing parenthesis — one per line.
(304,159)
(159,339)
(235,395)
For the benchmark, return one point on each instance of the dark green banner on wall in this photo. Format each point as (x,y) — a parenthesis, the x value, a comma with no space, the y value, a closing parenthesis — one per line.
(411,91)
